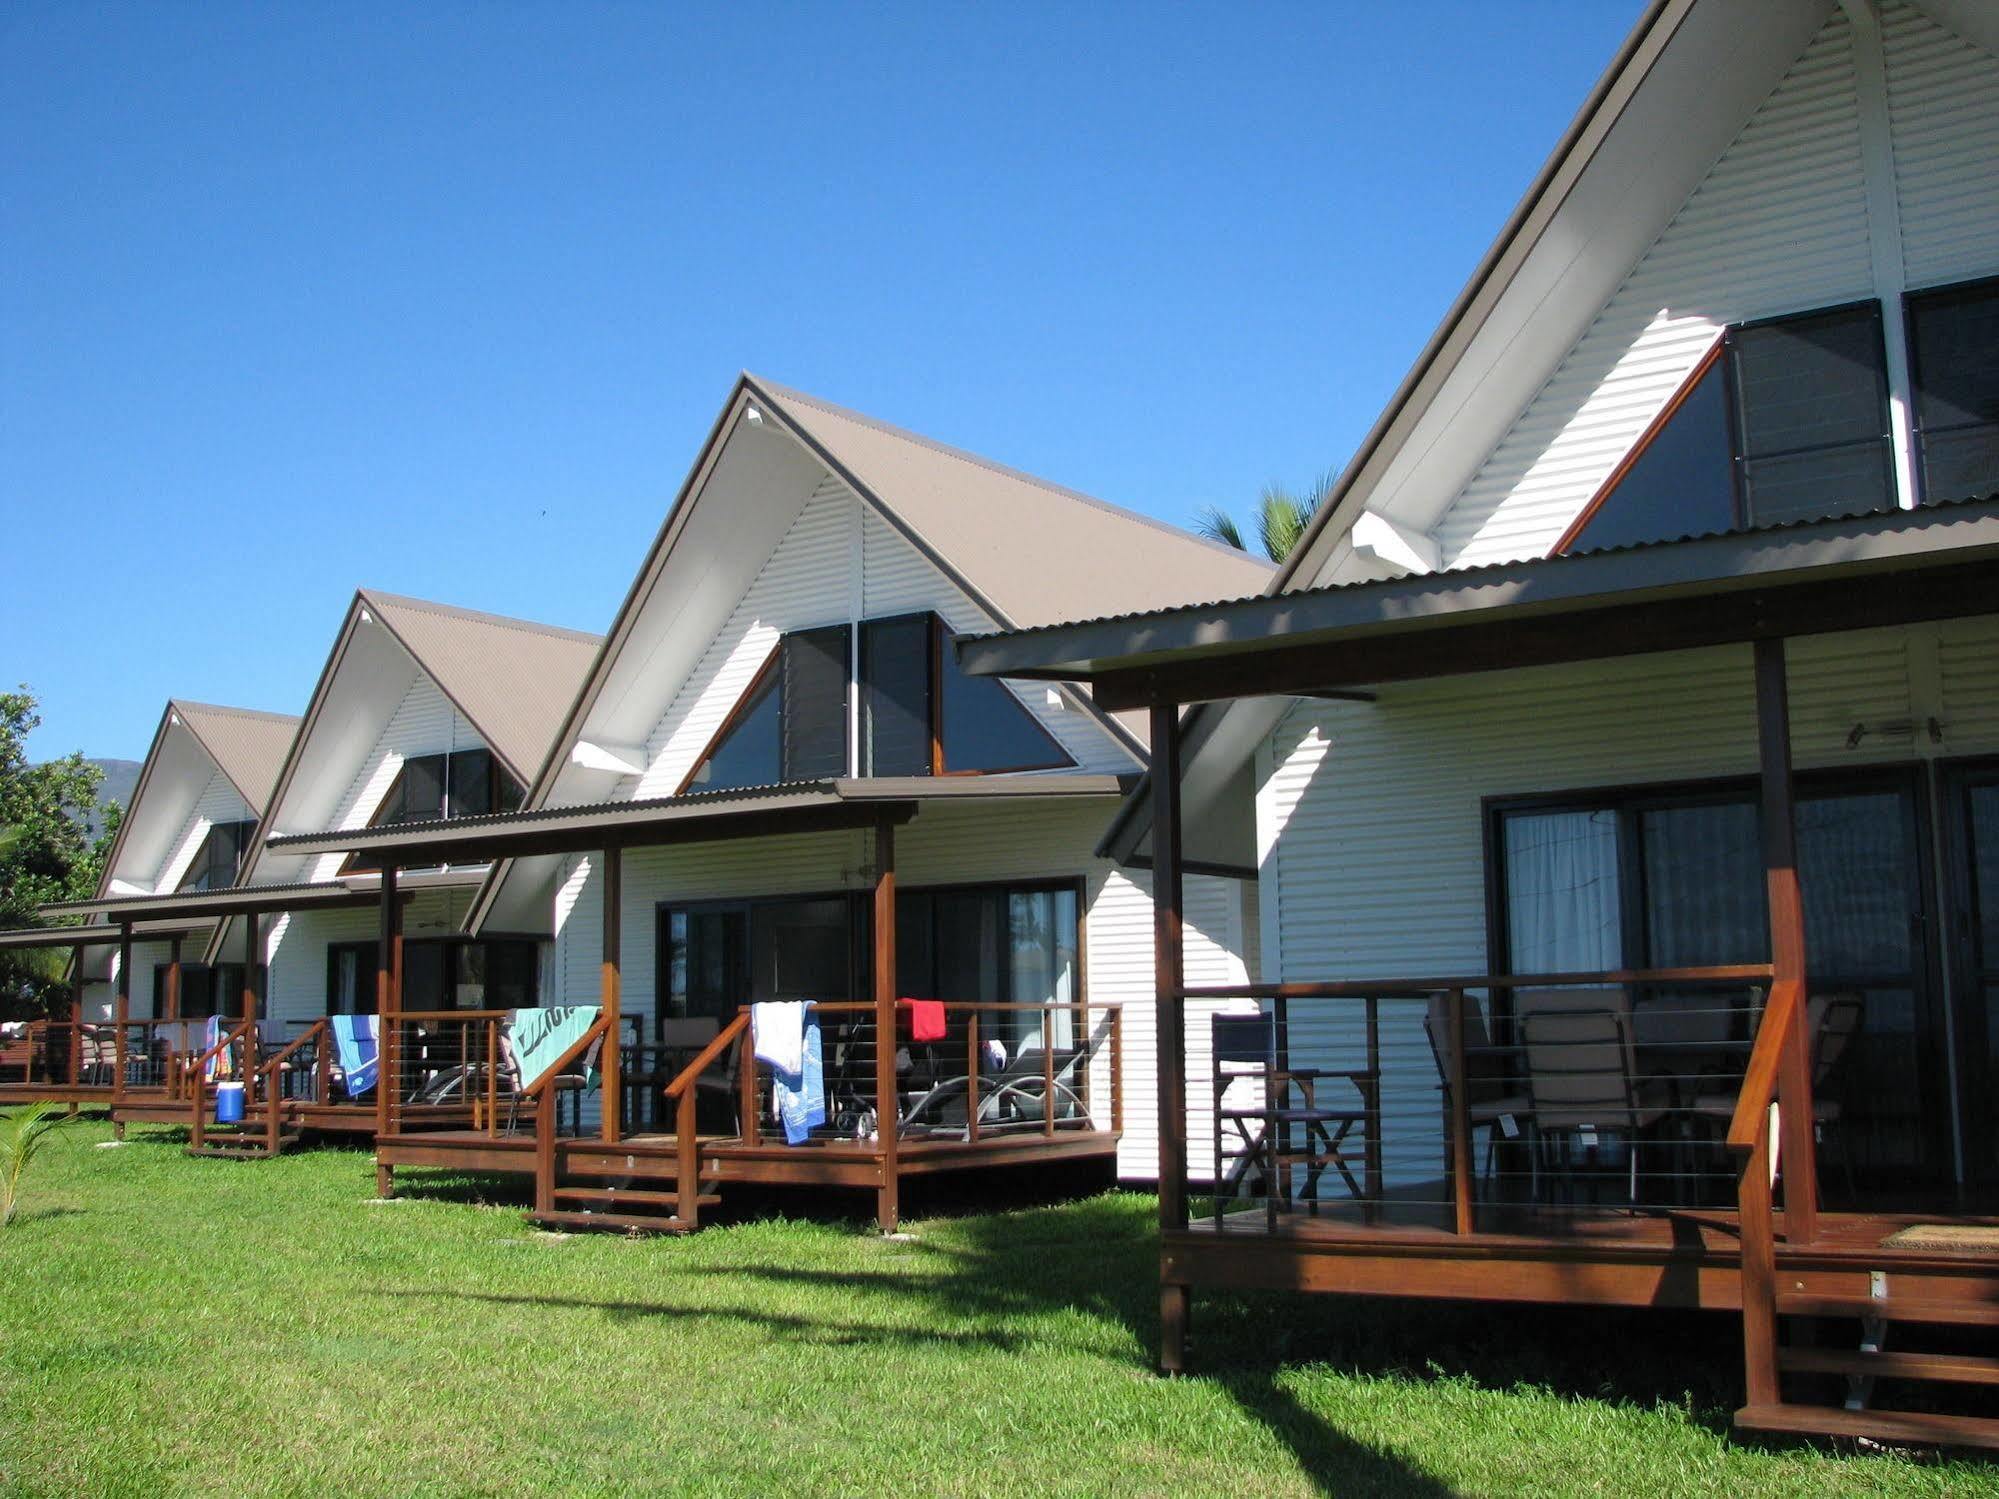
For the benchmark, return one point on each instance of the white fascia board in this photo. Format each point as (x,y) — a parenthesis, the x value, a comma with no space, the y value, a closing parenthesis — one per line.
(1393,550)
(620,759)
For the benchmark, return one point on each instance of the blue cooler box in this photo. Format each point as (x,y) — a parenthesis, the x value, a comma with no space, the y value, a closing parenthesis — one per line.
(228,1103)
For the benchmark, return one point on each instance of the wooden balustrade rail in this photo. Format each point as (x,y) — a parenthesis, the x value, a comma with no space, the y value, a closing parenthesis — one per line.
(686,1126)
(196,1069)
(542,1091)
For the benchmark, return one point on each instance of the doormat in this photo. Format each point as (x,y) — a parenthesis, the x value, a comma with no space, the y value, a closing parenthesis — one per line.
(1956,1238)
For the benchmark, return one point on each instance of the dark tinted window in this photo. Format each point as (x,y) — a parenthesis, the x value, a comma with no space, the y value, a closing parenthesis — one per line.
(812,688)
(350,978)
(1954,338)
(1680,484)
(418,795)
(985,728)
(896,660)
(747,753)
(1812,416)
(214,864)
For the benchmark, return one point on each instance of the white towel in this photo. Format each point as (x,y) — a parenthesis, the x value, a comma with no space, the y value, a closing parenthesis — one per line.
(777,1034)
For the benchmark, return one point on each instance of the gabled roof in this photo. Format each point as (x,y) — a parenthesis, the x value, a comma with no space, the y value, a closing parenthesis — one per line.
(1031,551)
(247,746)
(1027,551)
(513,678)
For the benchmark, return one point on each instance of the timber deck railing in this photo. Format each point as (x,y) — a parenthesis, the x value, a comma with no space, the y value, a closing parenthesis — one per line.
(230,1058)
(1002,1070)
(1495,1103)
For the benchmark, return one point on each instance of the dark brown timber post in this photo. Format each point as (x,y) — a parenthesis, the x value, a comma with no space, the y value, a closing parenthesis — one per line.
(253,923)
(75,1023)
(1461,1156)
(385,1029)
(887,1197)
(121,1013)
(1787,941)
(175,1058)
(612,1082)
(1169,984)
(173,982)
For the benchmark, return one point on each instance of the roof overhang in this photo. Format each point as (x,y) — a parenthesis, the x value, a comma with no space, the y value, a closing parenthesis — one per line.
(1938,563)
(703,817)
(95,935)
(220,905)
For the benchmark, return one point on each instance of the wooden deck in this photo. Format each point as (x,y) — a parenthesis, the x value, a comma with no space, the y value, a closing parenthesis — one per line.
(1668,1259)
(820,1163)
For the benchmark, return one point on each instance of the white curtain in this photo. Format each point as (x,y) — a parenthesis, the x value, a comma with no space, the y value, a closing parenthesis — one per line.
(1562,911)
(1043,937)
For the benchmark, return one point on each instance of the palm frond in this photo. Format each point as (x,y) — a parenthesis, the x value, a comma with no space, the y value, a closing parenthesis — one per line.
(23,1133)
(1217,524)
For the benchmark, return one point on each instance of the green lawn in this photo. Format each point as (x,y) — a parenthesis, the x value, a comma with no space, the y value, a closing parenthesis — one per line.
(171,1325)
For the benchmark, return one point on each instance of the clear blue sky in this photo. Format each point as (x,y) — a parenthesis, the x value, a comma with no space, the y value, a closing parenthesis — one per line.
(442,298)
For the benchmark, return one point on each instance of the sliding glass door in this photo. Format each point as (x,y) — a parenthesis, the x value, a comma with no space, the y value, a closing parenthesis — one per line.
(1670,878)
(1971,803)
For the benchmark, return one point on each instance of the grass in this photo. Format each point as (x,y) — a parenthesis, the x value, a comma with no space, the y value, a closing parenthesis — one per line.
(171,1326)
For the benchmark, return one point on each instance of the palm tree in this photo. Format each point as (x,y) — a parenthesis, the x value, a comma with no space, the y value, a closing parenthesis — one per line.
(1282,518)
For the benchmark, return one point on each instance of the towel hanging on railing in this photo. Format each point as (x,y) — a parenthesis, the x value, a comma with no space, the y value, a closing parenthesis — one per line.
(926,1020)
(777,1033)
(783,1031)
(354,1041)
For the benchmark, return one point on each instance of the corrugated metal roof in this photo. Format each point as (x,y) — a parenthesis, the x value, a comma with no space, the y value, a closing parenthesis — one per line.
(1035,550)
(1893,522)
(247,746)
(513,678)
(707,805)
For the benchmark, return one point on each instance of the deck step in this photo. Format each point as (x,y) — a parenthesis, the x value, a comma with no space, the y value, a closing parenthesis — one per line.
(633,1195)
(1947,1368)
(1890,1309)
(624,1222)
(1922,1428)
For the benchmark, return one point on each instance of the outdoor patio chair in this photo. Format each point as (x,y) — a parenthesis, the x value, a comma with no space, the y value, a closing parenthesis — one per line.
(1492,1096)
(1281,1124)
(680,1041)
(1583,1084)
(1831,1021)
(1010,1099)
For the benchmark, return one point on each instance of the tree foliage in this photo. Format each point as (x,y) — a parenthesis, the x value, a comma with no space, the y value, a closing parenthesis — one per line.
(1282,519)
(45,853)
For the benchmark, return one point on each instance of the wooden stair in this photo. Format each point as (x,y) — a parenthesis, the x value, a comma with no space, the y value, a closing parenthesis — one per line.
(249,1141)
(643,1196)
(1871,1360)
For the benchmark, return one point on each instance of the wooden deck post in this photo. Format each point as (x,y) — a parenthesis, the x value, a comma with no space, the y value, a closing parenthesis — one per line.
(1463,1213)
(386,1005)
(612,1107)
(1169,1003)
(76,1022)
(172,996)
(120,1014)
(1787,939)
(252,929)
(887,1203)
(170,1002)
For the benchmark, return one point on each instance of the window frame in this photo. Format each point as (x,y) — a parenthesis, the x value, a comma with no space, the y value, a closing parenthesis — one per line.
(1723,351)
(1979,288)
(243,828)
(498,778)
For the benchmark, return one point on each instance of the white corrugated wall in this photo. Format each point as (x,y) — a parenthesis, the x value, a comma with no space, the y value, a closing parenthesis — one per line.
(942,846)
(424,723)
(839,559)
(1778,225)
(1943,101)
(296,942)
(219,802)
(804,582)
(1371,821)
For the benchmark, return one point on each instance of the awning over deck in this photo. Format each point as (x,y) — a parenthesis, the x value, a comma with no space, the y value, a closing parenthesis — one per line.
(1938,562)
(800,807)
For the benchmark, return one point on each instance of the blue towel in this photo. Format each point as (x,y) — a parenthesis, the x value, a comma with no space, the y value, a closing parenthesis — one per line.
(354,1042)
(801,1095)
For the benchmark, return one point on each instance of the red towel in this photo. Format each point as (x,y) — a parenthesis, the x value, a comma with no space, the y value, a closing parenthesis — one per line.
(926,1019)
